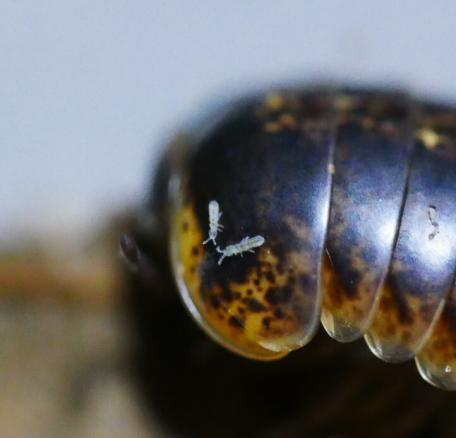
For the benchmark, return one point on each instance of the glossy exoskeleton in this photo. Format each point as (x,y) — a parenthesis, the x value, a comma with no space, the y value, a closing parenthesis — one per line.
(353,192)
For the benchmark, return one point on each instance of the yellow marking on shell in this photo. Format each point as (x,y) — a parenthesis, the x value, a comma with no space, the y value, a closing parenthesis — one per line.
(388,331)
(429,138)
(272,127)
(278,311)
(437,360)
(190,236)
(441,347)
(299,315)
(283,333)
(216,321)
(344,103)
(285,121)
(346,317)
(288,121)
(274,102)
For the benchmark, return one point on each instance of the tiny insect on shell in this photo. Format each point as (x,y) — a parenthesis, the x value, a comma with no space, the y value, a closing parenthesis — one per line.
(432,214)
(247,244)
(215,226)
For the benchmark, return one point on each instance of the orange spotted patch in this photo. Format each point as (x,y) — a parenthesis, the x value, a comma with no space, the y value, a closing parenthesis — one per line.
(223,316)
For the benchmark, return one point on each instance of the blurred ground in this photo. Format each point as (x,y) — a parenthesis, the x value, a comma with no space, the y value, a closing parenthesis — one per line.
(64,343)
(63,373)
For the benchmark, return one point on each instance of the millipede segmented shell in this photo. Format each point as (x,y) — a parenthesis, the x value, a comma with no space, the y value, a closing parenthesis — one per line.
(354,193)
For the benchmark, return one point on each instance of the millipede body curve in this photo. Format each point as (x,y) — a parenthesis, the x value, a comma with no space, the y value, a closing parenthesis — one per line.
(348,197)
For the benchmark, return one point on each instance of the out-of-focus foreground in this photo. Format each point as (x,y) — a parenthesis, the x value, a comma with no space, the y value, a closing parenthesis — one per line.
(64,344)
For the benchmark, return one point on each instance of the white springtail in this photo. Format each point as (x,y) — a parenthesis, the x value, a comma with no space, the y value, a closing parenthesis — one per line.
(215,226)
(432,214)
(247,244)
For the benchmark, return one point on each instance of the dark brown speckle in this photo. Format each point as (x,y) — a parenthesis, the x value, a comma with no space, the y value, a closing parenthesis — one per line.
(278,295)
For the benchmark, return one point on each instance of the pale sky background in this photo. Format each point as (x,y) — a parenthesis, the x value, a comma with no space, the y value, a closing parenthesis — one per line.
(89,89)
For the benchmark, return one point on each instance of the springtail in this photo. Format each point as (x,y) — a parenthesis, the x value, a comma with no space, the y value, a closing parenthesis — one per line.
(247,244)
(215,226)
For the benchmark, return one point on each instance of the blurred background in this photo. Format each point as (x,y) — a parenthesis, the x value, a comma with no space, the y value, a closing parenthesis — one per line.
(90,91)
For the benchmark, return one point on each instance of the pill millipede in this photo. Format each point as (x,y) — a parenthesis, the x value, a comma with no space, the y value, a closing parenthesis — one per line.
(353,191)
